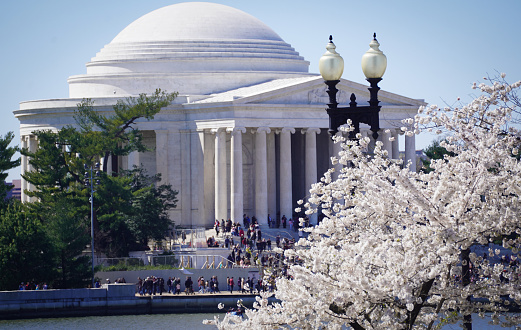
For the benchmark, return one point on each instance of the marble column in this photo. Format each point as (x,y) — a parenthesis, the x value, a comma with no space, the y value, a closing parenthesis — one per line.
(387,143)
(109,164)
(366,133)
(221,195)
(185,198)
(311,163)
(237,204)
(336,148)
(133,160)
(272,175)
(286,187)
(162,155)
(177,169)
(197,182)
(261,175)
(410,151)
(33,146)
(395,144)
(209,174)
(24,168)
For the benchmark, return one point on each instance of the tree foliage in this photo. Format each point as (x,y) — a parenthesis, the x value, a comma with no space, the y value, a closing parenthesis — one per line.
(433,151)
(132,209)
(117,134)
(387,254)
(68,228)
(58,175)
(6,163)
(24,249)
(150,203)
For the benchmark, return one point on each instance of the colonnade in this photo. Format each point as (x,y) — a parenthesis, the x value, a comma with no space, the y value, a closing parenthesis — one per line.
(214,192)
(264,172)
(265,178)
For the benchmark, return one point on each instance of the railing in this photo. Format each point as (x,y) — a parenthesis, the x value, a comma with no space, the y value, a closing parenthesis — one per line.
(204,262)
(176,261)
(186,239)
(107,262)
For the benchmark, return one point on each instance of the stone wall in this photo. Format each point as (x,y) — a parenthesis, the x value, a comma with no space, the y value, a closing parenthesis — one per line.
(112,299)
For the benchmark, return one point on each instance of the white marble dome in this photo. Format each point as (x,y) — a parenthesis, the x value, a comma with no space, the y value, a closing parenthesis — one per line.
(193,48)
(195,21)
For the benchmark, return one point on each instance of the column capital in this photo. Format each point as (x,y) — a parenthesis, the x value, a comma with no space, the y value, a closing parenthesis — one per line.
(262,129)
(29,137)
(387,134)
(204,130)
(217,130)
(315,130)
(286,130)
(234,130)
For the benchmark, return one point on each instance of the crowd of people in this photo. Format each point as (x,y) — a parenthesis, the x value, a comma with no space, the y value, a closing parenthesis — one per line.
(248,248)
(32,286)
(156,285)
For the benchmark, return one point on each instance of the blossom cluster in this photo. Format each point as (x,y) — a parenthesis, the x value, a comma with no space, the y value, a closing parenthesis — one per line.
(388,254)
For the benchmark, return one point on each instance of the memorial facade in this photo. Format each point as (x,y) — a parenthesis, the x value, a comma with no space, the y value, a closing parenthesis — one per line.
(247,133)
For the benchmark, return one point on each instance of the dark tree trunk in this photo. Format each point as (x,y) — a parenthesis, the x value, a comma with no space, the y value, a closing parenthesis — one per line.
(465,280)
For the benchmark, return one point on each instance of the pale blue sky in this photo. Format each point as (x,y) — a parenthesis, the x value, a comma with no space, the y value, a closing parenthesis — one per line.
(435,49)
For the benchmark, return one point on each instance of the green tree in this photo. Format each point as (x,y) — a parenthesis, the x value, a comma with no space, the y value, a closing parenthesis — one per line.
(25,249)
(132,209)
(69,231)
(117,134)
(59,165)
(6,163)
(151,202)
(434,151)
(113,206)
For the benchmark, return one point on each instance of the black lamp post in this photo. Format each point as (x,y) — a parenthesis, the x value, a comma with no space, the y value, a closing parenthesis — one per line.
(92,175)
(331,66)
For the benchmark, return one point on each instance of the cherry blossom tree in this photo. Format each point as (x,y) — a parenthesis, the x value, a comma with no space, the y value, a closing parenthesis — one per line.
(388,254)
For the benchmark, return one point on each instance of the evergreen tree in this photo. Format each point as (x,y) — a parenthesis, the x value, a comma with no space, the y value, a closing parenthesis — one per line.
(25,249)
(151,202)
(6,163)
(119,210)
(117,134)
(68,228)
(434,152)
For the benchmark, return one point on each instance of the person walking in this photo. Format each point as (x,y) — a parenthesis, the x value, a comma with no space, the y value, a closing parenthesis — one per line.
(216,284)
(216,225)
(188,285)
(232,283)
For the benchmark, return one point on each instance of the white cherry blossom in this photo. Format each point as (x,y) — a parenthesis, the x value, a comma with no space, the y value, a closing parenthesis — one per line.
(388,254)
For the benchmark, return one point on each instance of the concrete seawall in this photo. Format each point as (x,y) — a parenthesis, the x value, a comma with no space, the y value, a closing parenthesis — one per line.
(121,299)
(112,299)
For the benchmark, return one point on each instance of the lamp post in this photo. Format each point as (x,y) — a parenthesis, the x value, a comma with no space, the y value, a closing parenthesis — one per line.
(331,66)
(92,173)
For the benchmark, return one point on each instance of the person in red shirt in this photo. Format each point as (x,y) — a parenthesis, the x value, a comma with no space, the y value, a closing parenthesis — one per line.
(232,283)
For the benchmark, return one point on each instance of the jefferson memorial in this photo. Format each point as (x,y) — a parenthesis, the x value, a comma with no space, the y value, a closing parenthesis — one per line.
(248,133)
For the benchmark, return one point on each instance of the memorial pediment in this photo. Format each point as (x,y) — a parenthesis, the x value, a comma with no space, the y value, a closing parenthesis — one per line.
(306,91)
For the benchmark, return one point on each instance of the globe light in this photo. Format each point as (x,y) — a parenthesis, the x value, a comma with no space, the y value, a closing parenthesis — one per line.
(331,64)
(374,62)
